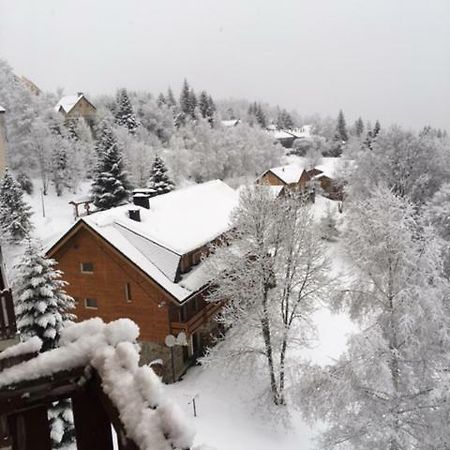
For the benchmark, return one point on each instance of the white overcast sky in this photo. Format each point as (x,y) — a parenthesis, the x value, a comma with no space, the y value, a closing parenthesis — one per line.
(386,59)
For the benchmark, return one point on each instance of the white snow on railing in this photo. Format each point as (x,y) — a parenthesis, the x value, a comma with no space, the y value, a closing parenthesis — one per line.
(150,419)
(32,345)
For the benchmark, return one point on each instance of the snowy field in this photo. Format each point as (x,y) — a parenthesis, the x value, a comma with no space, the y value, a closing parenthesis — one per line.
(227,418)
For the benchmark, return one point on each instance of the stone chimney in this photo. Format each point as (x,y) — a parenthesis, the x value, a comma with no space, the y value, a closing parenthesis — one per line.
(2,142)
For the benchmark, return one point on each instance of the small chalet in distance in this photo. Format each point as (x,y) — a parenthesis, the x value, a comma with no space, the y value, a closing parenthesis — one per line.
(143,261)
(76,106)
(297,177)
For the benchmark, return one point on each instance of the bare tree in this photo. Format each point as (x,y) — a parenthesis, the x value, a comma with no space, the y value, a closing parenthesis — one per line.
(273,273)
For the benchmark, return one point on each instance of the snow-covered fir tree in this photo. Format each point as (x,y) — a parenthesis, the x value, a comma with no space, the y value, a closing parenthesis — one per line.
(110,185)
(284,120)
(60,169)
(159,182)
(389,390)
(206,107)
(42,307)
(359,127)
(15,213)
(161,100)
(188,101)
(341,127)
(170,99)
(123,112)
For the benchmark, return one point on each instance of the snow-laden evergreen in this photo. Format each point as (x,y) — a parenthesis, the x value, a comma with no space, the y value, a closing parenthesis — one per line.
(389,390)
(124,114)
(159,182)
(15,213)
(42,307)
(110,185)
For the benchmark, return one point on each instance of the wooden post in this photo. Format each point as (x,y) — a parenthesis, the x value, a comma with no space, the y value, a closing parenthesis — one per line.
(30,429)
(92,425)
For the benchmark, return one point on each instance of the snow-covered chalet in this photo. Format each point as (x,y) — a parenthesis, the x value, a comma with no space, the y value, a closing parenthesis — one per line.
(77,105)
(143,261)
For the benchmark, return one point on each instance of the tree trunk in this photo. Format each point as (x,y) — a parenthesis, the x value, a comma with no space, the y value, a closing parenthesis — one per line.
(265,329)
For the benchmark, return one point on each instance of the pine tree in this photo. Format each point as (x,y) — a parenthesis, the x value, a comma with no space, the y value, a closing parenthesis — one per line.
(123,112)
(60,176)
(341,127)
(15,214)
(376,129)
(161,100)
(159,182)
(359,127)
(110,186)
(284,120)
(42,307)
(207,107)
(188,101)
(260,116)
(170,99)
(203,104)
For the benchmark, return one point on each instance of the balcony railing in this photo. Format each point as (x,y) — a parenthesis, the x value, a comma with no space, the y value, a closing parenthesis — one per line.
(8,328)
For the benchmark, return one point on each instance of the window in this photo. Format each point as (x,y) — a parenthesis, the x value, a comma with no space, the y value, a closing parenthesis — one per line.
(87,267)
(128,297)
(90,303)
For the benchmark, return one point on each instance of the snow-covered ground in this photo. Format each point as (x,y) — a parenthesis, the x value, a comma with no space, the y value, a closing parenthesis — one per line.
(226,416)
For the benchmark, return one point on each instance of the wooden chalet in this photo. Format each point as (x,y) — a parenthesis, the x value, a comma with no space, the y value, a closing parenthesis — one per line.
(297,177)
(144,261)
(73,106)
(290,176)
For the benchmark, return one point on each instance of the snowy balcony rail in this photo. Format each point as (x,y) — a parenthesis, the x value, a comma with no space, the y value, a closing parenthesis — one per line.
(7,317)
(97,368)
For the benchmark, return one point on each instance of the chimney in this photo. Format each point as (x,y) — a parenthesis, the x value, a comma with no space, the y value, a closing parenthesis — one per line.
(134,214)
(141,199)
(79,94)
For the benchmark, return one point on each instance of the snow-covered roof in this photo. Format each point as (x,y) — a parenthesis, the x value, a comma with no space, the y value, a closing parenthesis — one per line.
(230,123)
(2,110)
(289,174)
(68,102)
(176,223)
(303,132)
(280,134)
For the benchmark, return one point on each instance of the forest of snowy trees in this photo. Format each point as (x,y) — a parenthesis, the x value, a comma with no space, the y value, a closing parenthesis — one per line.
(390,387)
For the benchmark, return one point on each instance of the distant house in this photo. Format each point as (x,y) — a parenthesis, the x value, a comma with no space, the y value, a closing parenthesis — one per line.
(298,177)
(284,137)
(76,106)
(2,141)
(290,176)
(144,261)
(287,137)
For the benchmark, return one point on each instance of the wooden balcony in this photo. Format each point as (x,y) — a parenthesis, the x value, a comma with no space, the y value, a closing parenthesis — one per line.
(8,328)
(196,320)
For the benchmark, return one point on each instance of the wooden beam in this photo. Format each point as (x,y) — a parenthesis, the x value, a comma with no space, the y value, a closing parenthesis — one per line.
(92,424)
(40,392)
(30,430)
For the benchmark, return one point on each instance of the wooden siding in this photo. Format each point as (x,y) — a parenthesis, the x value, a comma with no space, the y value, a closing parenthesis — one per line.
(83,108)
(149,303)
(271,179)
